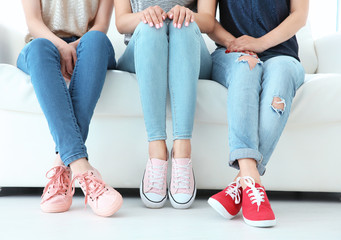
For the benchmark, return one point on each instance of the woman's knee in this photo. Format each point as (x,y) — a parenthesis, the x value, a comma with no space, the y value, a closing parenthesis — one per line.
(94,36)
(95,39)
(252,61)
(42,46)
(144,30)
(189,32)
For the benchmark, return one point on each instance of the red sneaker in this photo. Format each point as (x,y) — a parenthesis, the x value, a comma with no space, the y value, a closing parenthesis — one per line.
(227,202)
(257,211)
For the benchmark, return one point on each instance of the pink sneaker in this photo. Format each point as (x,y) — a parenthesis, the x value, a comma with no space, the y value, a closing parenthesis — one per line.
(228,202)
(102,198)
(257,211)
(57,196)
(153,188)
(182,188)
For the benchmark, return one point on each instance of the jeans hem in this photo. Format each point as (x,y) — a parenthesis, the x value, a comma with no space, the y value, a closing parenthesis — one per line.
(246,153)
(74,157)
(157,138)
(182,137)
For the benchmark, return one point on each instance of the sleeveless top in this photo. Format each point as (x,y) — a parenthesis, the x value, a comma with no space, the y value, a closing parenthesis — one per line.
(256,18)
(166,5)
(67,18)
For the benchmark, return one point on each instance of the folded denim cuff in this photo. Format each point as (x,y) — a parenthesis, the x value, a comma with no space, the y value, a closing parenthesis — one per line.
(74,157)
(188,136)
(151,139)
(246,153)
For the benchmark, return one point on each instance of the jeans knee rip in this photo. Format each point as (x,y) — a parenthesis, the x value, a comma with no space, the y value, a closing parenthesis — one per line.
(278,105)
(239,60)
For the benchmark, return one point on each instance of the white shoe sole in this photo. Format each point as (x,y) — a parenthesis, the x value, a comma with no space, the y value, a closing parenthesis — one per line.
(219,208)
(185,205)
(264,223)
(150,204)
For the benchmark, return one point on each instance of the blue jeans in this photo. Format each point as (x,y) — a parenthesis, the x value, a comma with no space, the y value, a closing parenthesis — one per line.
(255,125)
(167,58)
(68,110)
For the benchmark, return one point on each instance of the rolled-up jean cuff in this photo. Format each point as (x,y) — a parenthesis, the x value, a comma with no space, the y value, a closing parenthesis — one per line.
(74,157)
(246,153)
(178,137)
(159,138)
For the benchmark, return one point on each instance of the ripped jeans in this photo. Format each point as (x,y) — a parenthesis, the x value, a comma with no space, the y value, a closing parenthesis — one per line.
(258,104)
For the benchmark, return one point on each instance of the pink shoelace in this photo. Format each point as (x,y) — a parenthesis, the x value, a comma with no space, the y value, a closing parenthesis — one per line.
(92,185)
(59,182)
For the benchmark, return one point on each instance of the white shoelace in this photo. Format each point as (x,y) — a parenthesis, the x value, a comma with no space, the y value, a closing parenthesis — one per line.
(256,195)
(234,191)
(182,173)
(156,177)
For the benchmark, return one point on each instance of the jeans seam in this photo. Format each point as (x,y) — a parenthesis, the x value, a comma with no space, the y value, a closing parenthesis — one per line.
(68,96)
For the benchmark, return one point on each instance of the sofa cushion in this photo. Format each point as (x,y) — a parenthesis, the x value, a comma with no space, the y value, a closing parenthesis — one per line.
(306,51)
(328,52)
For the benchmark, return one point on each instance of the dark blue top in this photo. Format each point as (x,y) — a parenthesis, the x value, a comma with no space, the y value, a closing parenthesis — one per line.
(256,18)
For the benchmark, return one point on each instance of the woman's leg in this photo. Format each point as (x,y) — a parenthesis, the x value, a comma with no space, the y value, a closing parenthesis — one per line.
(187,53)
(41,60)
(95,55)
(241,74)
(282,76)
(147,55)
(55,100)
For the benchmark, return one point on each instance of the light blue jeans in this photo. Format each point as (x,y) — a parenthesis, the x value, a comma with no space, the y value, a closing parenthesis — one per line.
(255,125)
(68,110)
(167,58)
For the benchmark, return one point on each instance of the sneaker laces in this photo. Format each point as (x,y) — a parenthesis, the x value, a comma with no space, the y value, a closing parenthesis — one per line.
(59,182)
(156,176)
(92,185)
(233,190)
(256,194)
(182,173)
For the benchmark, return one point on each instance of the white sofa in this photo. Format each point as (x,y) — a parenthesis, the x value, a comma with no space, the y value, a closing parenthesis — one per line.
(307,157)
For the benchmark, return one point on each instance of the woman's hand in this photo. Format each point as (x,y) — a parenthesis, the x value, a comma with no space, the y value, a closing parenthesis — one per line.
(179,14)
(154,16)
(68,58)
(247,43)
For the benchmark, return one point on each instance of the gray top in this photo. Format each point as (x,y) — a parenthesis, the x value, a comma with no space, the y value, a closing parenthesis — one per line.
(166,5)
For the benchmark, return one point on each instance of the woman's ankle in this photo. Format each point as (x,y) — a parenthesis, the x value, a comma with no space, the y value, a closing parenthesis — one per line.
(58,161)
(80,166)
(248,168)
(158,149)
(182,148)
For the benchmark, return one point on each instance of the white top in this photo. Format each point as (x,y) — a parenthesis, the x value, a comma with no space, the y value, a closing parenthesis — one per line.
(67,18)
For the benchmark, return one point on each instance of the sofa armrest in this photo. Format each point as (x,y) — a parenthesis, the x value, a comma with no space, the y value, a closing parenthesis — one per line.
(328,50)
